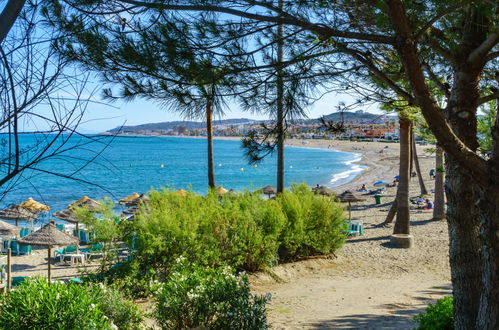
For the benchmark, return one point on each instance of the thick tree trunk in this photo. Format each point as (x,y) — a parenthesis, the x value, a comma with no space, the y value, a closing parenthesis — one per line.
(280,107)
(439,203)
(464,244)
(403,216)
(209,136)
(488,315)
(415,159)
(465,248)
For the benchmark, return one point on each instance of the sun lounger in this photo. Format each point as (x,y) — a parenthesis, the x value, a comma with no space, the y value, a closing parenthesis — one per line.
(354,227)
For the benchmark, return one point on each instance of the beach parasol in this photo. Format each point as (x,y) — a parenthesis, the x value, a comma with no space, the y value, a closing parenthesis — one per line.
(31,205)
(221,190)
(380,183)
(16,213)
(181,193)
(48,236)
(141,199)
(69,216)
(321,190)
(349,197)
(6,229)
(87,202)
(129,198)
(269,190)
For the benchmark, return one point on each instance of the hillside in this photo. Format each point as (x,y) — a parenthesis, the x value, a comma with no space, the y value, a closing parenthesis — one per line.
(348,117)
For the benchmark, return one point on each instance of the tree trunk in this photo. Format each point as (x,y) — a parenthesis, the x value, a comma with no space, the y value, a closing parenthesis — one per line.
(464,244)
(439,203)
(9,15)
(403,216)
(209,135)
(391,213)
(488,315)
(415,159)
(280,107)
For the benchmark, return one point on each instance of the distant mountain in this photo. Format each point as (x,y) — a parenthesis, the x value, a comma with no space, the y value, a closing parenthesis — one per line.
(348,117)
(164,126)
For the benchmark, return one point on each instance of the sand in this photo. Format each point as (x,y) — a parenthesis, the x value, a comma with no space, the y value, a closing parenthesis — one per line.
(368,284)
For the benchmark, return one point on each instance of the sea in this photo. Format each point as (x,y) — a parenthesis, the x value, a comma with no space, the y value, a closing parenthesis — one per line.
(115,167)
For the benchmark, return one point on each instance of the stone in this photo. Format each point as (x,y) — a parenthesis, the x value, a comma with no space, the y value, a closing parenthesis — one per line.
(402,240)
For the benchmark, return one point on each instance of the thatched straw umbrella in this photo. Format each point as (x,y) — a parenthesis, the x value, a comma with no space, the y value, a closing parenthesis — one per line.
(6,229)
(269,190)
(181,193)
(48,236)
(321,190)
(221,190)
(141,199)
(16,213)
(31,205)
(87,202)
(128,199)
(349,197)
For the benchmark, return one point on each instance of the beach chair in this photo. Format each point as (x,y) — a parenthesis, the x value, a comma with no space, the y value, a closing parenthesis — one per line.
(18,280)
(18,249)
(94,250)
(66,250)
(60,226)
(354,227)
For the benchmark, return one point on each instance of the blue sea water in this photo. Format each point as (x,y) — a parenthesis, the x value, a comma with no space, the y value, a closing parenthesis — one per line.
(138,164)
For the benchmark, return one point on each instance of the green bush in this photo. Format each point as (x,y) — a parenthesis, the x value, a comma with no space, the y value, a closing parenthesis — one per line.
(437,317)
(39,305)
(314,224)
(200,297)
(245,230)
(122,313)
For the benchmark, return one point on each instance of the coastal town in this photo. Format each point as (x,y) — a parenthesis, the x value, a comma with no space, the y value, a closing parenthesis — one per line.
(357,125)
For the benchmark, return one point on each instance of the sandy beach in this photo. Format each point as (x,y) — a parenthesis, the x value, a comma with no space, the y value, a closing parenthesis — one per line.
(368,284)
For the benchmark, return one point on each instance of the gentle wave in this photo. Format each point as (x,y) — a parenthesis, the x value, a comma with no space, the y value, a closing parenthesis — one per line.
(348,175)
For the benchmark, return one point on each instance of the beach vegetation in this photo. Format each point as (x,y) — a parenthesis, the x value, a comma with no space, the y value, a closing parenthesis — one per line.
(38,304)
(245,231)
(437,317)
(210,298)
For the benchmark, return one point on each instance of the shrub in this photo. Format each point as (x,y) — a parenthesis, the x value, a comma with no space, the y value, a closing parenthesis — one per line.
(200,297)
(124,314)
(39,305)
(437,317)
(314,223)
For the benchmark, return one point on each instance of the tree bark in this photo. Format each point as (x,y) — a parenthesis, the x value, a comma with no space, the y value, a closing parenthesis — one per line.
(439,203)
(415,159)
(209,136)
(280,106)
(488,315)
(9,15)
(403,216)
(391,213)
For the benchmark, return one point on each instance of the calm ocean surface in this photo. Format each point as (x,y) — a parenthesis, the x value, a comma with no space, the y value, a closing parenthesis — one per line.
(137,164)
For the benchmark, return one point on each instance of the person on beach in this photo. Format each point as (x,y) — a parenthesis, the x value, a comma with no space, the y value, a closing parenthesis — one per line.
(428,205)
(363,188)
(432,173)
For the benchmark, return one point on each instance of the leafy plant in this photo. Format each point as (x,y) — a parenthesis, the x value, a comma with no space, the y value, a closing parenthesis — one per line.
(212,298)
(39,305)
(437,317)
(124,314)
